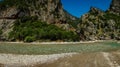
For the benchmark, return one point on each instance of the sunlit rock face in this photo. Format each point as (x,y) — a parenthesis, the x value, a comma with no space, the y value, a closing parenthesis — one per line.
(50,11)
(101,25)
(115,6)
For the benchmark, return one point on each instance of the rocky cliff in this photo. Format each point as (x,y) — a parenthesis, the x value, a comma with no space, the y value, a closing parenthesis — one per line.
(115,7)
(50,11)
(94,25)
(100,25)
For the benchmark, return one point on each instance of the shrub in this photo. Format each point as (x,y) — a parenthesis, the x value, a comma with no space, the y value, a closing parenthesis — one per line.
(1,32)
(29,39)
(26,29)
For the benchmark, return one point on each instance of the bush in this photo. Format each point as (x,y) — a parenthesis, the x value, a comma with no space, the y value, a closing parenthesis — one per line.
(27,30)
(29,39)
(1,32)
(115,17)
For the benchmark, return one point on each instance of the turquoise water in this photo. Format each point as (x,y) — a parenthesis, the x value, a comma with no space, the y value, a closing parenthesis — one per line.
(57,48)
(113,44)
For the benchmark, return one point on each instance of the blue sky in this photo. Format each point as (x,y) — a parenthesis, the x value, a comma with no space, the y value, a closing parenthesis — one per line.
(80,7)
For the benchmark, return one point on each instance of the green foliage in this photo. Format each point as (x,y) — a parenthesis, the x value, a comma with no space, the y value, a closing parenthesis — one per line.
(21,4)
(101,26)
(74,23)
(27,29)
(1,32)
(115,17)
(29,39)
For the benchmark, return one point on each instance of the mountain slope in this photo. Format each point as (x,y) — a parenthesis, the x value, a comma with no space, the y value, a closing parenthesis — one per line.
(18,17)
(100,25)
(115,7)
(50,11)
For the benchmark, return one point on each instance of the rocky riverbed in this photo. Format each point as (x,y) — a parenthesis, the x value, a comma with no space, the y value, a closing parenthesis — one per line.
(96,59)
(14,60)
(99,59)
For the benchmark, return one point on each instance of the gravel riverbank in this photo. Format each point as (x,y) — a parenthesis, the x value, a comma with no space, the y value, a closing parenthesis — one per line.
(95,59)
(13,60)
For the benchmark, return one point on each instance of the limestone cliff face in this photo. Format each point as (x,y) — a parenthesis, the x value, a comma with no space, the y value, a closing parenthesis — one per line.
(50,11)
(115,6)
(100,25)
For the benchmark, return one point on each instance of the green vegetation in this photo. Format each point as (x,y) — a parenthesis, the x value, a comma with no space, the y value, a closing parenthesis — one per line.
(99,25)
(115,17)
(29,39)
(28,29)
(1,32)
(96,24)
(18,3)
(74,23)
(53,49)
